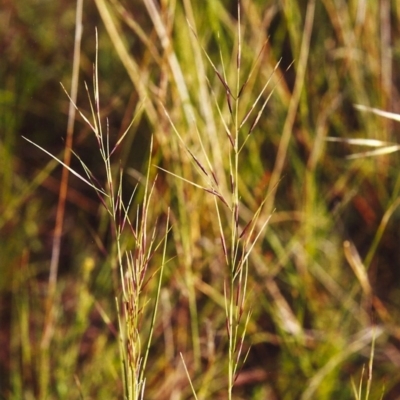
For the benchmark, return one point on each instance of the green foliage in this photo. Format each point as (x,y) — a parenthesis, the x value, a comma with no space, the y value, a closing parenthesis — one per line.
(241,255)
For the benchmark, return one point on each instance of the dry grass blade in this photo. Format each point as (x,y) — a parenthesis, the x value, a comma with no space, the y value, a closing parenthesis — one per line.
(377,152)
(357,266)
(77,109)
(69,168)
(188,376)
(239,34)
(175,67)
(138,112)
(164,254)
(249,250)
(183,179)
(237,373)
(48,328)
(383,147)
(138,77)
(359,141)
(206,156)
(194,158)
(253,68)
(258,99)
(129,19)
(377,111)
(223,81)
(228,134)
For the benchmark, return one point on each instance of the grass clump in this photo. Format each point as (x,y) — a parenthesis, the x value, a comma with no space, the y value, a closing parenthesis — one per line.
(254,257)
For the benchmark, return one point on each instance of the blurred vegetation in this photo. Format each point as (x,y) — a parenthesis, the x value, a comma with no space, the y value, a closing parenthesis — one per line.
(312,317)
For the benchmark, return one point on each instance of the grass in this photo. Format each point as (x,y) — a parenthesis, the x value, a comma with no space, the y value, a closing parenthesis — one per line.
(226,235)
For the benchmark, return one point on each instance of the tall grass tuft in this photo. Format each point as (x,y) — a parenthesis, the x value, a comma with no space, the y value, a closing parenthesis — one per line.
(132,260)
(237,239)
(256,257)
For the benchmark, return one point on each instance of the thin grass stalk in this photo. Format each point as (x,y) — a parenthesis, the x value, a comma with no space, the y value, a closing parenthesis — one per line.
(157,298)
(132,265)
(237,254)
(380,231)
(137,76)
(188,376)
(214,147)
(175,67)
(122,352)
(184,239)
(293,105)
(232,313)
(56,246)
(183,93)
(137,263)
(359,395)
(128,320)
(370,365)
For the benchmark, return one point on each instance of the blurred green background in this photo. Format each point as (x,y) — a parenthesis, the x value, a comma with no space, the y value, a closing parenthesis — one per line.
(299,271)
